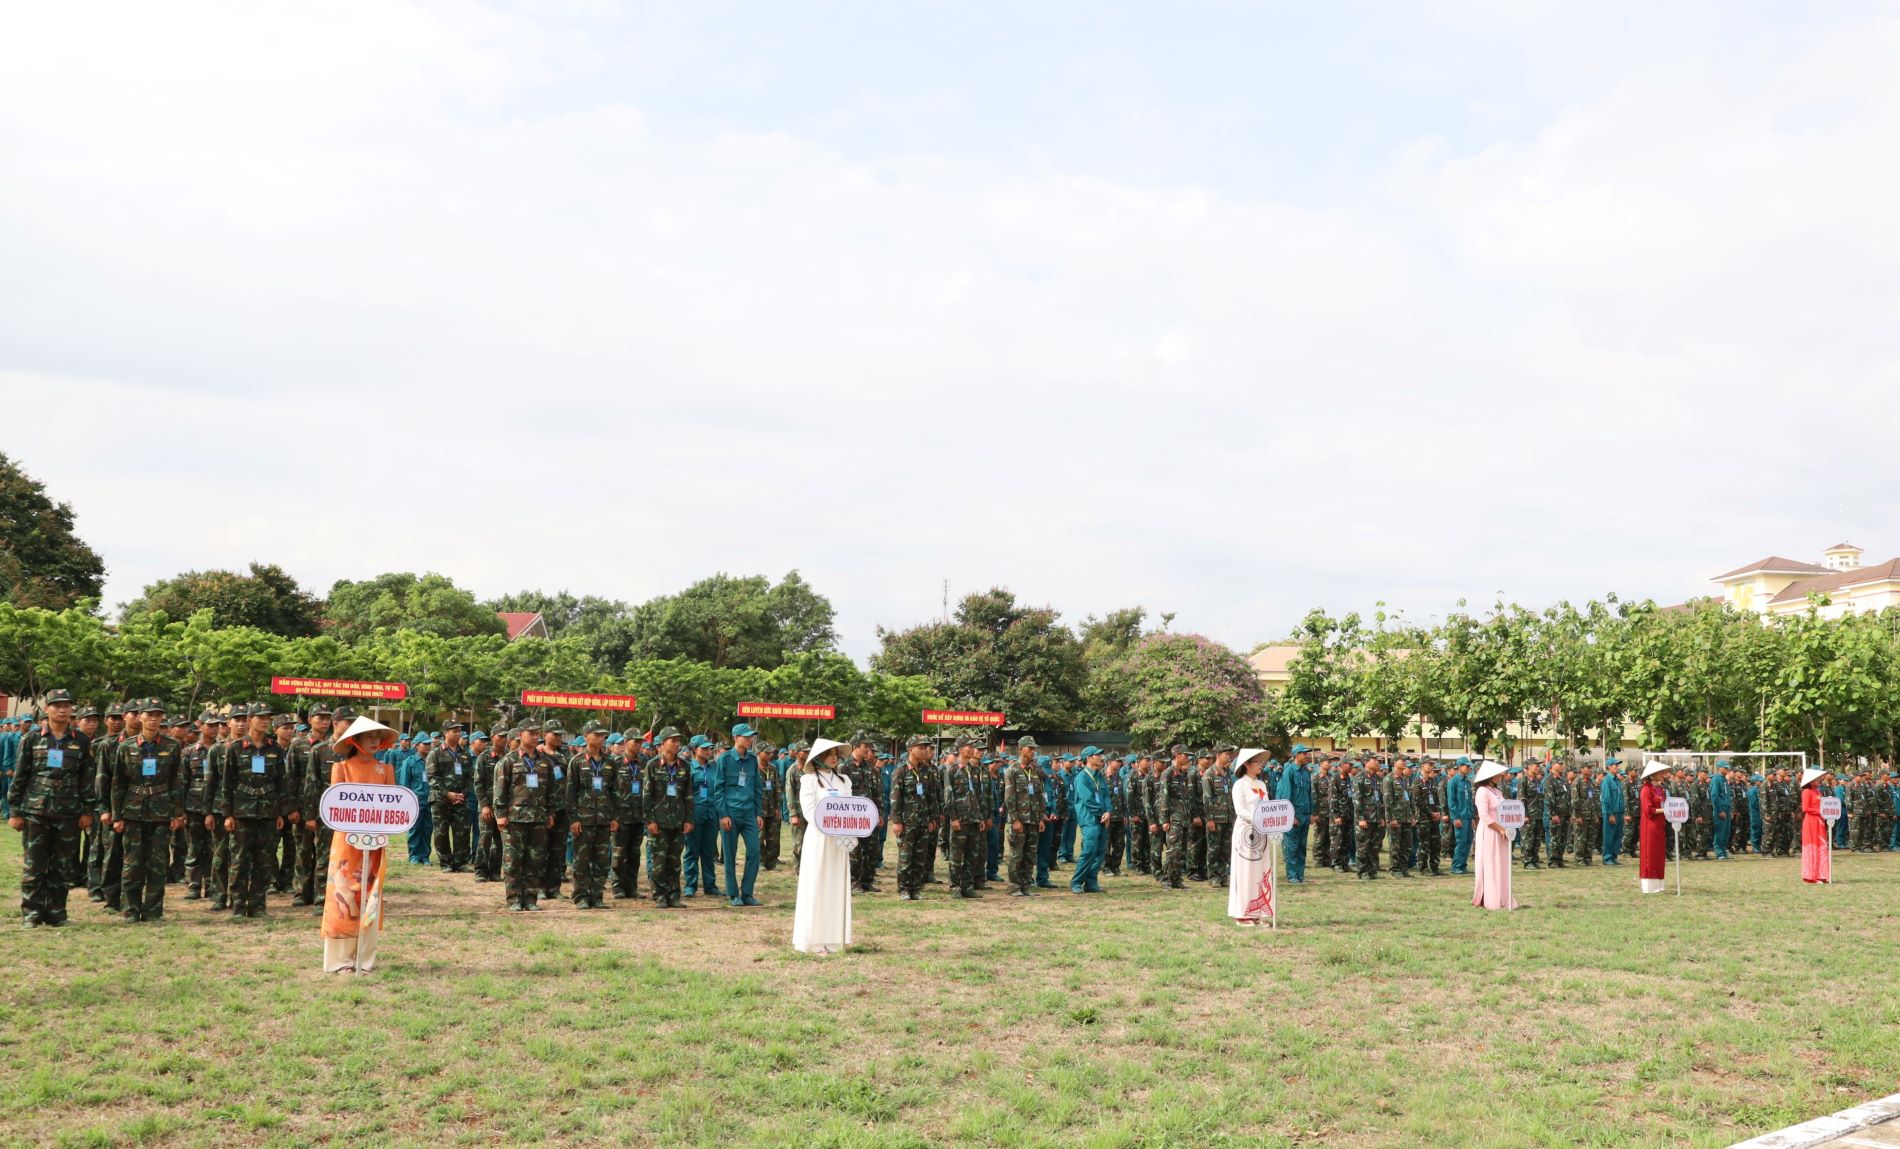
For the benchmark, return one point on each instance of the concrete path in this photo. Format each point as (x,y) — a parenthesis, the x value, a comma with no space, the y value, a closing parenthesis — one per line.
(1874,1125)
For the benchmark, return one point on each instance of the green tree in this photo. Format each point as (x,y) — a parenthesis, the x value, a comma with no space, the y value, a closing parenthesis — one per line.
(730,621)
(1106,642)
(42,562)
(996,655)
(42,650)
(267,599)
(1189,688)
(606,626)
(429,603)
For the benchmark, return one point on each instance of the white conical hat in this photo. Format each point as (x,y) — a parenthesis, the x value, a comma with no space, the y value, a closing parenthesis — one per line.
(821,746)
(1657,766)
(1246,755)
(1488,770)
(362,726)
(1808,776)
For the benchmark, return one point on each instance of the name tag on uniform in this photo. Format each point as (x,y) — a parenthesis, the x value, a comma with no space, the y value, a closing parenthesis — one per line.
(1032,789)
(257,763)
(742,782)
(672,790)
(534,781)
(458,769)
(831,793)
(207,769)
(920,789)
(702,791)
(636,788)
(55,759)
(557,774)
(149,767)
(596,781)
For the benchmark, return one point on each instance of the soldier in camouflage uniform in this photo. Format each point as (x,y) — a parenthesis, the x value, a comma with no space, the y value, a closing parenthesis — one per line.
(311,881)
(49,807)
(1429,792)
(1587,815)
(1557,804)
(630,836)
(198,806)
(669,811)
(284,848)
(1197,821)
(1116,780)
(1531,792)
(1138,848)
(593,813)
(218,882)
(451,774)
(554,857)
(1023,803)
(99,847)
(148,802)
(788,794)
(964,808)
(523,808)
(866,782)
(1175,804)
(1701,825)
(1322,841)
(1217,805)
(1402,816)
(488,840)
(1368,806)
(771,808)
(254,803)
(913,817)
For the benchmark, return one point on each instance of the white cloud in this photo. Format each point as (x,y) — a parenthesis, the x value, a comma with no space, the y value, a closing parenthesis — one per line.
(310,269)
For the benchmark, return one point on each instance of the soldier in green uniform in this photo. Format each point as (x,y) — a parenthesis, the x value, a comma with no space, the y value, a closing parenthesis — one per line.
(254,803)
(523,808)
(630,836)
(49,808)
(100,848)
(1586,815)
(489,751)
(311,882)
(554,856)
(1701,817)
(1322,839)
(963,808)
(1175,805)
(451,773)
(1557,804)
(284,849)
(1217,804)
(1368,805)
(771,834)
(219,879)
(198,808)
(913,818)
(1197,821)
(1115,777)
(669,812)
(148,802)
(788,793)
(1138,847)
(1401,816)
(1430,794)
(1023,804)
(593,813)
(1531,793)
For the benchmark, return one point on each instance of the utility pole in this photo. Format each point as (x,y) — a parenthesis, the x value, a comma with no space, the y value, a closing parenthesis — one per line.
(946,600)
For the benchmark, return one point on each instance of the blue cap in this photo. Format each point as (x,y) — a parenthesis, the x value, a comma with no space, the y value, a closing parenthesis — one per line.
(1463,761)
(742,730)
(1042,759)
(697,741)
(1090,751)
(477,734)
(1302,748)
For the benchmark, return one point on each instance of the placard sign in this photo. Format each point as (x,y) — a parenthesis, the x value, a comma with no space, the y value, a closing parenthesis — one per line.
(846,816)
(963,718)
(1273,816)
(339,688)
(1511,816)
(571,701)
(1675,810)
(1830,810)
(787,710)
(369,809)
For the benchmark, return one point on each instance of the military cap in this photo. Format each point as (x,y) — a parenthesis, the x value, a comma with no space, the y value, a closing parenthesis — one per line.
(1226,748)
(528,726)
(798,747)
(1026,740)
(55,697)
(343,715)
(453,724)
(698,740)
(207,718)
(925,740)
(318,708)
(616,739)
(594,727)
(553,726)
(1042,760)
(115,709)
(284,720)
(1090,751)
(666,732)
(1177,749)
(762,747)
(744,730)
(861,739)
(962,741)
(87,711)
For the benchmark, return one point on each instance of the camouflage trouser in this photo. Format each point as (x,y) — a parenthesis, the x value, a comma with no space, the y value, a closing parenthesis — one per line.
(798,846)
(1197,852)
(451,835)
(220,862)
(92,857)
(865,859)
(46,848)
(1428,845)
(180,848)
(1117,846)
(1220,862)
(148,848)
(1367,839)
(1447,837)
(1403,836)
(253,863)
(663,867)
(593,857)
(1558,839)
(1174,860)
(283,853)
(1532,839)
(1138,845)
(1022,856)
(1322,841)
(628,840)
(769,841)
(111,849)
(197,852)
(1587,839)
(524,861)
(488,852)
(911,847)
(966,856)
(554,860)
(312,879)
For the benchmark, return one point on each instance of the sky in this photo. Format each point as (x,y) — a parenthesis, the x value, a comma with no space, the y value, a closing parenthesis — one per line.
(1230,311)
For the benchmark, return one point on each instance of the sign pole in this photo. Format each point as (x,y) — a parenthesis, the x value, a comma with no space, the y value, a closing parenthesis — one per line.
(1676,830)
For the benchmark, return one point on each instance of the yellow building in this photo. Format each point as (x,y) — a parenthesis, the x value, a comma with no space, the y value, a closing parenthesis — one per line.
(1777,585)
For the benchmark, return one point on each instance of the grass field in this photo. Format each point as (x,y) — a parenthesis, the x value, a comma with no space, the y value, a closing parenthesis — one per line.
(1386,1013)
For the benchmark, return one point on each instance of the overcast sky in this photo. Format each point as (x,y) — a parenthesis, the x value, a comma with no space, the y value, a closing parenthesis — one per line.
(1229,311)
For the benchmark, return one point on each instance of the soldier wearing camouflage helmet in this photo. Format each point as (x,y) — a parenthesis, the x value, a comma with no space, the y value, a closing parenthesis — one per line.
(148,803)
(49,808)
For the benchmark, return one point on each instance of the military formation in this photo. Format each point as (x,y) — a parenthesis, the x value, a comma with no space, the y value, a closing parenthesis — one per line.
(127,799)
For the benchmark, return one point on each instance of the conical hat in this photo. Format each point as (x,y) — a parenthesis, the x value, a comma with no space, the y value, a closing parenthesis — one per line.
(1657,766)
(819,747)
(1246,755)
(1488,770)
(364,726)
(1808,776)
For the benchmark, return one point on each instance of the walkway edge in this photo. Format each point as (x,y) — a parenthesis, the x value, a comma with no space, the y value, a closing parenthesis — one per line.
(1824,1129)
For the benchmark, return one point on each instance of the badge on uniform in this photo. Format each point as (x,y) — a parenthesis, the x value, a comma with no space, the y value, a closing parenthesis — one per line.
(55,759)
(920,789)
(458,769)
(636,787)
(557,774)
(672,790)
(257,763)
(149,767)
(596,781)
(534,781)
